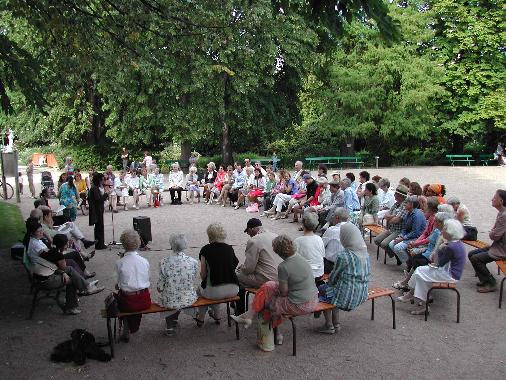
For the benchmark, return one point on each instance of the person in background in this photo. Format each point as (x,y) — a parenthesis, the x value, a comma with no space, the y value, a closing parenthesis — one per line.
(463,216)
(322,171)
(353,184)
(239,182)
(97,197)
(363,178)
(310,246)
(124,158)
(499,154)
(121,189)
(20,183)
(435,190)
(69,166)
(405,182)
(270,184)
(479,258)
(228,181)
(370,205)
(387,198)
(192,184)
(176,183)
(68,197)
(415,189)
(147,161)
(80,184)
(208,180)
(132,274)
(258,165)
(350,198)
(332,239)
(134,187)
(61,180)
(29,176)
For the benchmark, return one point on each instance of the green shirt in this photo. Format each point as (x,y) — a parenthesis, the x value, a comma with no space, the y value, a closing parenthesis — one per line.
(296,272)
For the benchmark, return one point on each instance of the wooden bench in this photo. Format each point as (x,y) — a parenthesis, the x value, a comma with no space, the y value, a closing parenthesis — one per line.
(375,229)
(373,293)
(501,266)
(486,158)
(445,286)
(467,158)
(476,243)
(155,308)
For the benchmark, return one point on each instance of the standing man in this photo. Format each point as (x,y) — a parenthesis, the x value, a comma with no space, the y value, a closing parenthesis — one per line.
(96,198)
(124,158)
(261,263)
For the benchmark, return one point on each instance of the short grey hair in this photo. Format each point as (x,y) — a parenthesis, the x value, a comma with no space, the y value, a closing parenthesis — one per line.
(453,200)
(36,213)
(109,167)
(178,242)
(176,164)
(310,221)
(384,182)
(342,214)
(443,216)
(346,181)
(216,233)
(130,240)
(211,165)
(454,229)
(446,208)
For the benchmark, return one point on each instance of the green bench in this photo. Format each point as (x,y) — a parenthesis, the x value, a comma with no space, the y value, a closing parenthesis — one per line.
(183,164)
(263,160)
(467,158)
(486,158)
(337,160)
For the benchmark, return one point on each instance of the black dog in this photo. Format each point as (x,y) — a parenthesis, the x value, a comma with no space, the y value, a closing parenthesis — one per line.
(81,346)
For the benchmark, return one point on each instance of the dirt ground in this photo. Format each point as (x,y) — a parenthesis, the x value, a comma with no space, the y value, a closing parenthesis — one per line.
(436,349)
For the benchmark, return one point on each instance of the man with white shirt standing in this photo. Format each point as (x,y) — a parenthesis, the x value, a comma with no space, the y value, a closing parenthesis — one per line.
(132,273)
(332,238)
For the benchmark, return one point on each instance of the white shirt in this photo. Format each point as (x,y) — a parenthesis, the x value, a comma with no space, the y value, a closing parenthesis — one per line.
(388,200)
(132,182)
(176,178)
(132,272)
(313,250)
(35,248)
(148,160)
(332,241)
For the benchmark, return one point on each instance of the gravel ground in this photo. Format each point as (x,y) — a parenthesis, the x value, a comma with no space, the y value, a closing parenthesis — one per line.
(437,349)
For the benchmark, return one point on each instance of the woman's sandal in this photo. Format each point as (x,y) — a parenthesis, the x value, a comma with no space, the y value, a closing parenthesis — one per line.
(200,323)
(211,314)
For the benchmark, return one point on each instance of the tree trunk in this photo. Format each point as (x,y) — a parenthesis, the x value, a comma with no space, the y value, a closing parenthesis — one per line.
(185,150)
(226,146)
(97,119)
(458,144)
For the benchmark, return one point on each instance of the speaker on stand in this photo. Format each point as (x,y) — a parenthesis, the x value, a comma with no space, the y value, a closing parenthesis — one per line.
(142,224)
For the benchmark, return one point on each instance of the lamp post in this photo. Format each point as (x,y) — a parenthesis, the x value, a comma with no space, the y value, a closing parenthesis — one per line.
(377,158)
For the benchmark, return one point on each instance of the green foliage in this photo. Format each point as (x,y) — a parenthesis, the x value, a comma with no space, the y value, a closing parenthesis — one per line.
(11,225)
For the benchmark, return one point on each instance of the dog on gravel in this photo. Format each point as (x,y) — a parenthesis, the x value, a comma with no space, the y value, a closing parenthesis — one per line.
(80,347)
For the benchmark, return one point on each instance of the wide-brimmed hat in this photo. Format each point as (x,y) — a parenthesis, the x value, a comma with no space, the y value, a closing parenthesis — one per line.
(322,180)
(334,183)
(402,190)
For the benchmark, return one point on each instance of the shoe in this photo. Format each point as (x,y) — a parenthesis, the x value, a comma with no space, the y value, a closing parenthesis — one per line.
(420,311)
(88,243)
(269,212)
(487,288)
(94,282)
(278,340)
(400,285)
(136,207)
(406,297)
(100,247)
(236,208)
(170,331)
(115,211)
(479,283)
(73,311)
(337,327)
(399,262)
(90,275)
(245,321)
(92,289)
(330,330)
(211,314)
(200,322)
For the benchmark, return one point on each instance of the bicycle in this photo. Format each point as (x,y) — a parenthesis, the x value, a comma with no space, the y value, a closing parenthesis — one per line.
(10,190)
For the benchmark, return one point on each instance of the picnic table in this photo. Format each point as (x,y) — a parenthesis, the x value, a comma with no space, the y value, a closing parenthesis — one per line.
(336,160)
(467,158)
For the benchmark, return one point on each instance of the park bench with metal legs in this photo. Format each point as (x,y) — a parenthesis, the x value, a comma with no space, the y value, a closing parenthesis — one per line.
(501,266)
(445,286)
(375,229)
(155,308)
(322,306)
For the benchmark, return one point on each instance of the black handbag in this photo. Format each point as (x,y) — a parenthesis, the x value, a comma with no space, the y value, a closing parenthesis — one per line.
(471,233)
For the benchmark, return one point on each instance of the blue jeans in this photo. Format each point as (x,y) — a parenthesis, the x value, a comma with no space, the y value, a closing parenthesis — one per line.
(400,249)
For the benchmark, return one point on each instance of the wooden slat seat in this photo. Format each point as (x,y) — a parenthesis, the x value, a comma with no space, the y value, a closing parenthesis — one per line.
(443,285)
(379,292)
(375,229)
(476,243)
(155,308)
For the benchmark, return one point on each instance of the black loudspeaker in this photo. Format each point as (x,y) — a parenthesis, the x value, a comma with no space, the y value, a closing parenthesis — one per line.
(142,224)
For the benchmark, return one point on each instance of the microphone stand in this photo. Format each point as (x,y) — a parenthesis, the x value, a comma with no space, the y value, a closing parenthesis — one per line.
(113,243)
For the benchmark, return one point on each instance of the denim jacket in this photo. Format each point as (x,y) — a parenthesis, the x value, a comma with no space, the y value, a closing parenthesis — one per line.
(414,225)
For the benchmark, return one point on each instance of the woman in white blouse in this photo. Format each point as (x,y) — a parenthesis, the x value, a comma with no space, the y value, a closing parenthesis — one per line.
(176,280)
(176,182)
(310,246)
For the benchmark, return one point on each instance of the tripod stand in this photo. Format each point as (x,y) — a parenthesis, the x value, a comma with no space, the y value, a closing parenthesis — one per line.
(113,243)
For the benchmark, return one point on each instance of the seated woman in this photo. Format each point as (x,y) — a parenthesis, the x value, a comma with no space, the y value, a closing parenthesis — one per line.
(108,187)
(420,256)
(248,186)
(301,198)
(322,171)
(283,197)
(311,200)
(451,258)
(310,246)
(370,206)
(68,197)
(348,283)
(294,294)
(218,184)
(217,271)
(209,179)
(81,188)
(176,280)
(132,273)
(479,258)
(121,189)
(192,184)
(435,190)
(415,189)
(463,216)
(145,184)
(256,191)
(157,186)
(228,181)
(134,188)
(176,183)
(269,191)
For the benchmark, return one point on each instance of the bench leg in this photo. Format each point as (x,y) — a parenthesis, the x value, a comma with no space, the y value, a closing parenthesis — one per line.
(385,258)
(458,304)
(229,320)
(501,292)
(370,237)
(372,310)
(294,337)
(236,330)
(427,304)
(109,335)
(377,252)
(393,311)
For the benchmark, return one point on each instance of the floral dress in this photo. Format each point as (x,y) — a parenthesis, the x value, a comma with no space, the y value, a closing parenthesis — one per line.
(68,197)
(176,281)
